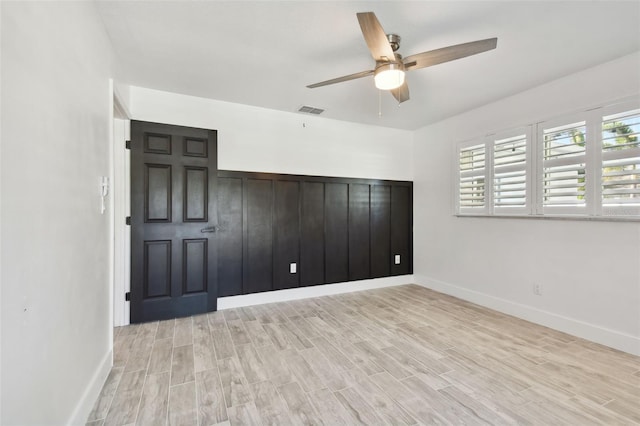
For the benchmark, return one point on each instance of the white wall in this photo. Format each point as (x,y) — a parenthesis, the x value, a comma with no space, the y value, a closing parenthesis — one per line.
(590,271)
(56,309)
(263,140)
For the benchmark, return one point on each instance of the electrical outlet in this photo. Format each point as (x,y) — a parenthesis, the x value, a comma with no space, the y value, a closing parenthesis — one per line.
(537,289)
(293,268)
(396,259)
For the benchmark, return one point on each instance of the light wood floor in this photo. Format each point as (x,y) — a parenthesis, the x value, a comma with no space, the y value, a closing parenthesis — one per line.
(400,355)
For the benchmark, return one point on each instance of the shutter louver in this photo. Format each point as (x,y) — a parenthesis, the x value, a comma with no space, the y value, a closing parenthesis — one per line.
(471,166)
(564,166)
(510,172)
(621,162)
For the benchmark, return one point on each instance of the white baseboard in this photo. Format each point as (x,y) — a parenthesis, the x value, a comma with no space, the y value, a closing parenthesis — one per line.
(90,395)
(313,291)
(595,333)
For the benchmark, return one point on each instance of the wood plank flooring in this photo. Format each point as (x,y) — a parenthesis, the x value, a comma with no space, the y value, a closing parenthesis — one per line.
(400,355)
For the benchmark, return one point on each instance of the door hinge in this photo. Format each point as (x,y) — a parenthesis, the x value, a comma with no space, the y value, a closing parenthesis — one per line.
(127,220)
(127,144)
(127,296)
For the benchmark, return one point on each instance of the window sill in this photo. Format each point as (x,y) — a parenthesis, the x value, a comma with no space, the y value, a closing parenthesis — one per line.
(556,217)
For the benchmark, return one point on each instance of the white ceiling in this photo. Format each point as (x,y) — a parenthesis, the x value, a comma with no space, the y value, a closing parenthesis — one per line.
(264,53)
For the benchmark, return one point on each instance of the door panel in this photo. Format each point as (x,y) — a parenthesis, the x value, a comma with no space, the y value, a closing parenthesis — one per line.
(196,147)
(157,268)
(259,243)
(194,265)
(336,232)
(312,234)
(359,267)
(157,193)
(380,230)
(173,187)
(156,143)
(287,234)
(196,194)
(230,237)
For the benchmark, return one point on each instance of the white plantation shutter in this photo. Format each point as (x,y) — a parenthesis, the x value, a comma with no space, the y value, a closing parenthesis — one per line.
(510,177)
(563,183)
(472,166)
(584,164)
(620,182)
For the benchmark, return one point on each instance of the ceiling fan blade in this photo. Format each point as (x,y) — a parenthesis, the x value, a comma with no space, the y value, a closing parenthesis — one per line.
(341,79)
(446,54)
(375,36)
(401,93)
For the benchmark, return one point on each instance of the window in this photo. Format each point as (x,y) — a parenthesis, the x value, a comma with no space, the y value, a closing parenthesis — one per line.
(564,168)
(620,183)
(587,164)
(492,174)
(510,177)
(472,177)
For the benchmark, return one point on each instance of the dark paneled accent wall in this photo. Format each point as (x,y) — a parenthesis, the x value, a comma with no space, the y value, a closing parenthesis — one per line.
(230,236)
(286,232)
(312,234)
(332,229)
(258,252)
(336,235)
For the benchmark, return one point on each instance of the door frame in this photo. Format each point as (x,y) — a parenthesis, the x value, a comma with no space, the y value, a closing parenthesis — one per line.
(120,190)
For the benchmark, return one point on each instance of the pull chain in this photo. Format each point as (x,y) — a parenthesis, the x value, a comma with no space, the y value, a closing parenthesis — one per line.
(379,103)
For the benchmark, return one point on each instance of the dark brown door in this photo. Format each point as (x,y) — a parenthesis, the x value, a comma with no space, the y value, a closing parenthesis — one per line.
(173,221)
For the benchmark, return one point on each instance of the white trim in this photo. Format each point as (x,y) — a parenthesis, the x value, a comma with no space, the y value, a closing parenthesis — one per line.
(120,184)
(454,202)
(120,106)
(112,230)
(127,229)
(536,168)
(489,172)
(594,162)
(120,190)
(612,338)
(92,391)
(604,218)
(312,291)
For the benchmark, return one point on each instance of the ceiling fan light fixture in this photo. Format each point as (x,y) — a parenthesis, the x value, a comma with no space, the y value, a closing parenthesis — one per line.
(389,76)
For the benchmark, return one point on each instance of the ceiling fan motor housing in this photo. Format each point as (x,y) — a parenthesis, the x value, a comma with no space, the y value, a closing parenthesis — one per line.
(394,41)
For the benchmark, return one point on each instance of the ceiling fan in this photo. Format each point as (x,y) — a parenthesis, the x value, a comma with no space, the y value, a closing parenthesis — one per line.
(390,69)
